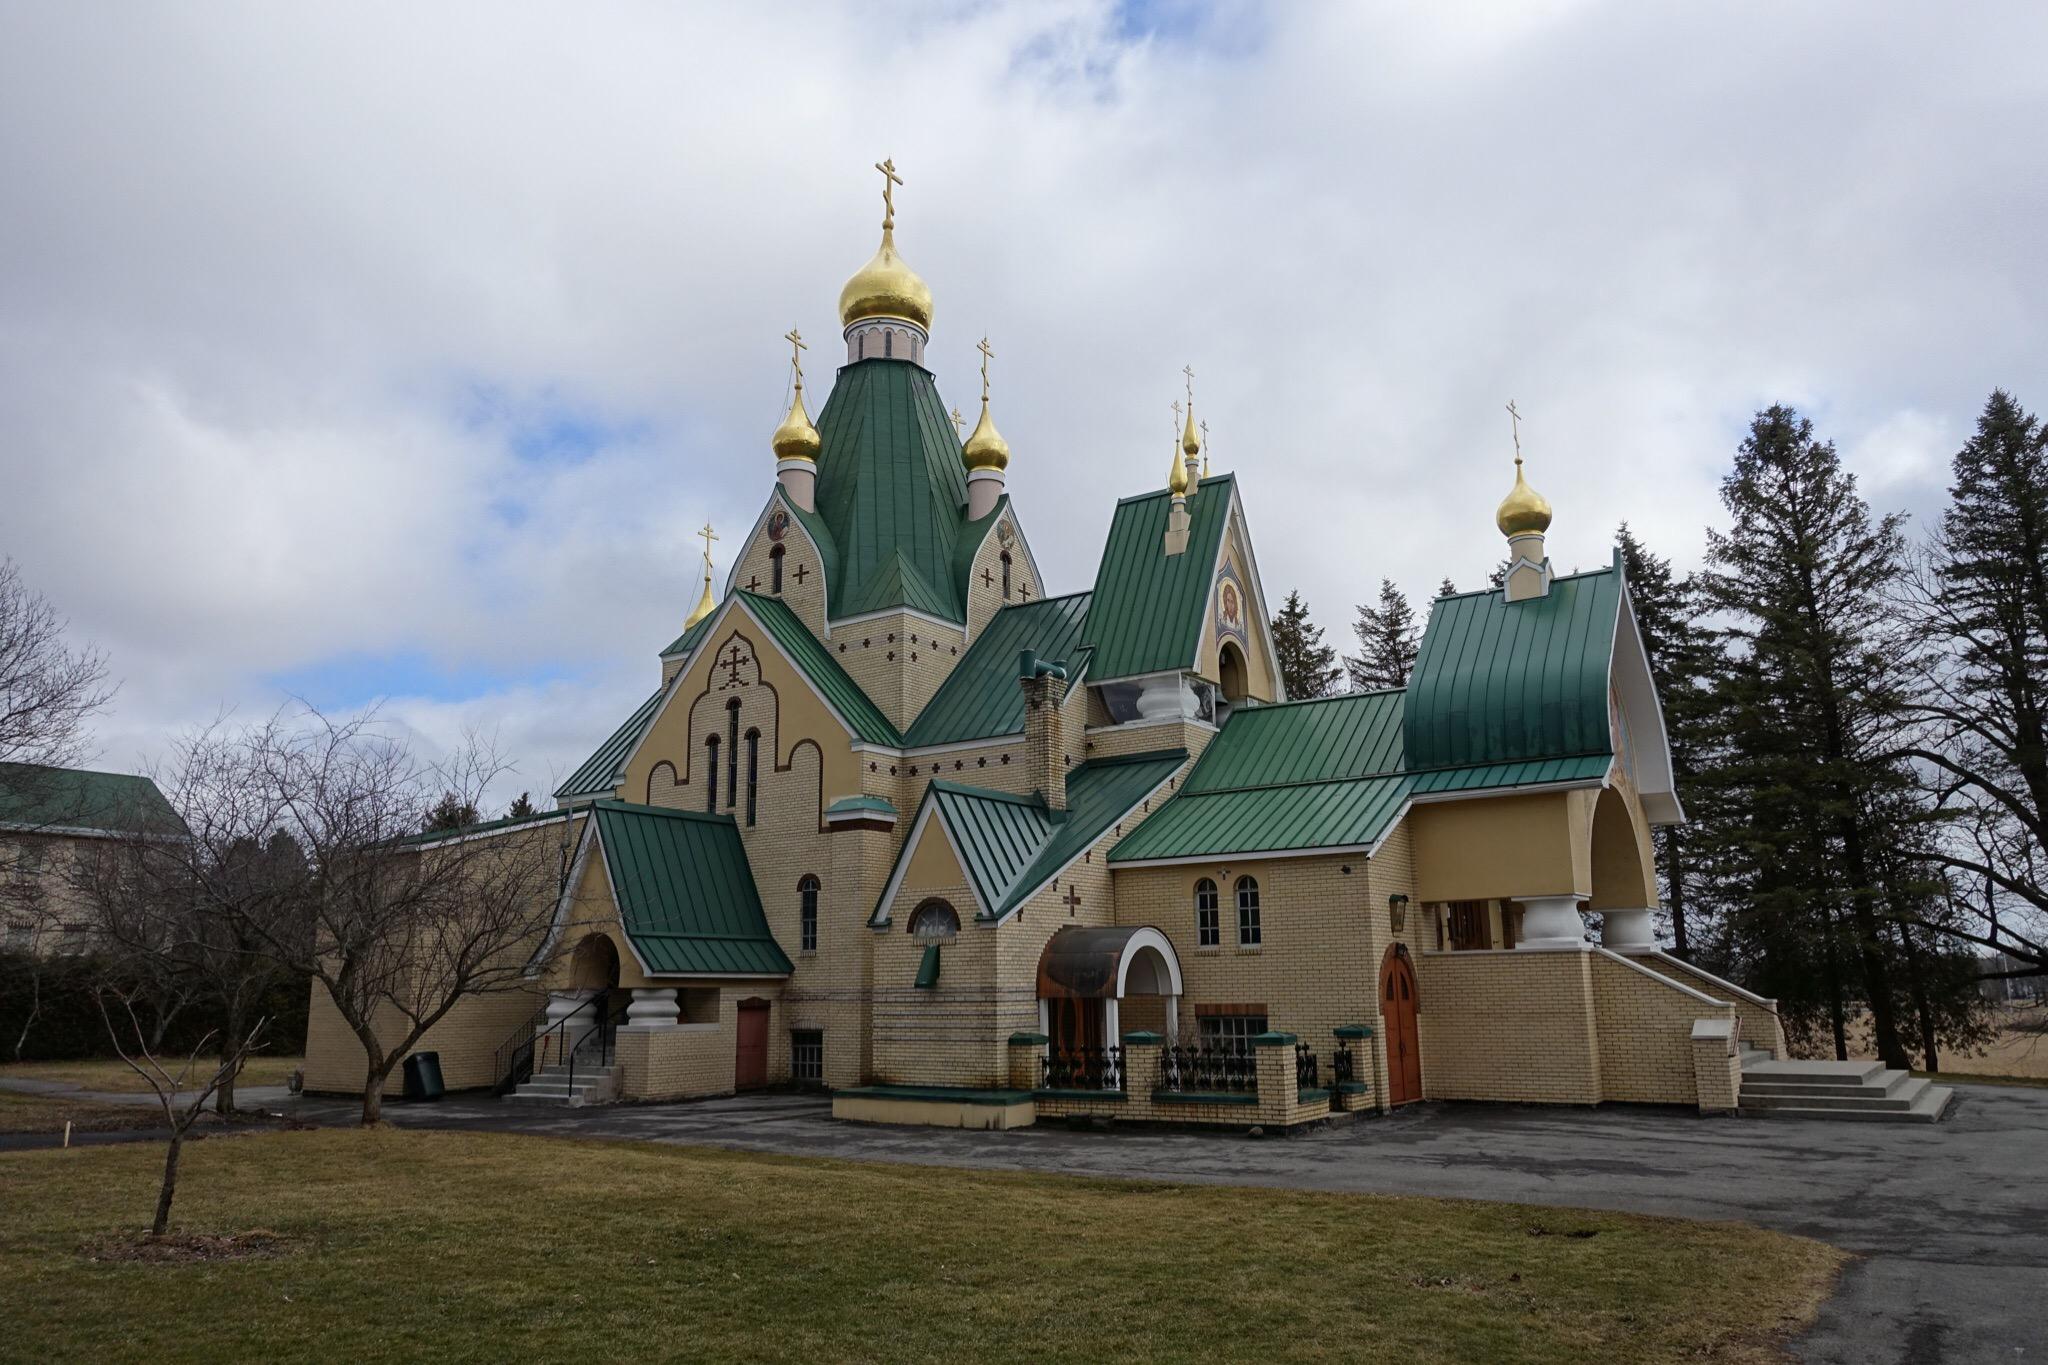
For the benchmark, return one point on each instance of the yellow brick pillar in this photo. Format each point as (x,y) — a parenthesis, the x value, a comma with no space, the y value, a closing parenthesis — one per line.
(1027,1050)
(1355,1093)
(1141,1063)
(1279,1096)
(1717,1063)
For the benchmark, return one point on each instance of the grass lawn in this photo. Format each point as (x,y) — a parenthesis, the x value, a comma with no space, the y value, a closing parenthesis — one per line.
(410,1245)
(113,1075)
(47,1113)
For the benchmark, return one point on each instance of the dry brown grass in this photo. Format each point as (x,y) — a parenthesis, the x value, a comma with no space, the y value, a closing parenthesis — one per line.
(114,1076)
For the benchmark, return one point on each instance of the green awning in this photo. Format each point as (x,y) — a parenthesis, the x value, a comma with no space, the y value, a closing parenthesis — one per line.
(685,892)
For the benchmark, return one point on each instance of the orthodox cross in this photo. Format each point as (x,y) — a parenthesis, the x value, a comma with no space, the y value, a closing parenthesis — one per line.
(800,572)
(708,536)
(1204,424)
(1189,371)
(1072,900)
(958,422)
(987,578)
(754,583)
(986,355)
(732,662)
(1176,421)
(797,347)
(1515,419)
(890,180)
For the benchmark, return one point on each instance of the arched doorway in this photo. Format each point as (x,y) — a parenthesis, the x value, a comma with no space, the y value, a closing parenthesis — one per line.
(594,966)
(1397,1020)
(1230,673)
(1085,977)
(1623,888)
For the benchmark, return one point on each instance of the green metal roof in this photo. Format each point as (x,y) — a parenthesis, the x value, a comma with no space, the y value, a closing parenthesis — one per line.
(602,772)
(815,662)
(846,804)
(685,892)
(892,493)
(1146,612)
(1354,735)
(1011,845)
(981,698)
(1497,681)
(687,641)
(41,797)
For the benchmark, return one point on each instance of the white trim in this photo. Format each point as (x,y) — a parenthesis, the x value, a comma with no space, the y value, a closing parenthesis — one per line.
(1195,721)
(457,837)
(564,901)
(1576,784)
(1265,619)
(1148,937)
(956,746)
(927,811)
(798,466)
(1257,855)
(831,621)
(1751,996)
(1698,995)
(624,933)
(85,832)
(1638,692)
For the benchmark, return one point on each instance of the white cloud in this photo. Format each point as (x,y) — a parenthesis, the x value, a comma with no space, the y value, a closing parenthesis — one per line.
(257,264)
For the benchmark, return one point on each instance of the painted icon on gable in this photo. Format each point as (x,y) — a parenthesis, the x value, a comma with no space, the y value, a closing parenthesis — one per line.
(778,524)
(1229,605)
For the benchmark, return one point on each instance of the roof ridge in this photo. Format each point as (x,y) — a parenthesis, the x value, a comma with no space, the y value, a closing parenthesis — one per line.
(1554,578)
(1311,701)
(968,789)
(1149,756)
(1162,492)
(1041,601)
(639,808)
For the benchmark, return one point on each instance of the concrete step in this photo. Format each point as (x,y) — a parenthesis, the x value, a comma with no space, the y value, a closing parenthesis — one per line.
(1898,1095)
(555,1087)
(1928,1107)
(1814,1073)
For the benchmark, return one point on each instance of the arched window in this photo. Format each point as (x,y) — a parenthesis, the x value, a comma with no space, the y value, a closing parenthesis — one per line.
(775,570)
(934,922)
(711,773)
(753,773)
(1208,924)
(1248,913)
(807,894)
(732,752)
(1006,575)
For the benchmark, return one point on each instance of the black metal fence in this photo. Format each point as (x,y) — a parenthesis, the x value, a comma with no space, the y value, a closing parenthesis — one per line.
(1343,1066)
(1084,1068)
(1222,1068)
(1304,1066)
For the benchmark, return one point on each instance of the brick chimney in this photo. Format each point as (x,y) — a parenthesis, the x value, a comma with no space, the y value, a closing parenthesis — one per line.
(1045,739)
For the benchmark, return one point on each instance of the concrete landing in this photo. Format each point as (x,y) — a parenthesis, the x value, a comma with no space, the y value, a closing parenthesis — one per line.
(1843,1091)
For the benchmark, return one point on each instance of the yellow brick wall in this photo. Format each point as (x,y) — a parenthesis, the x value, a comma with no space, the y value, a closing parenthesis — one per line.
(806,599)
(466,1037)
(1508,1025)
(1761,1026)
(984,599)
(688,1060)
(1646,1054)
(898,659)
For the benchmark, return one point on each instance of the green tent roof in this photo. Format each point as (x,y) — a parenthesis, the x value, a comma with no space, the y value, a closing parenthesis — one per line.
(685,893)
(602,772)
(891,493)
(980,697)
(1498,681)
(1145,615)
(35,796)
(815,662)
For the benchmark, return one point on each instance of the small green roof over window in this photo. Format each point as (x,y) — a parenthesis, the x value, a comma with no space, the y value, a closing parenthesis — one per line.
(851,805)
(1498,681)
(815,662)
(1145,615)
(685,892)
(980,697)
(602,772)
(36,796)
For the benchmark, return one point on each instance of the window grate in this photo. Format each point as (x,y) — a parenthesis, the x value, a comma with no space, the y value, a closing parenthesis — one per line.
(807,1056)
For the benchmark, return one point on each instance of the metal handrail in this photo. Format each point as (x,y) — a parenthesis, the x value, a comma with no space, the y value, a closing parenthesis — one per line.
(530,1052)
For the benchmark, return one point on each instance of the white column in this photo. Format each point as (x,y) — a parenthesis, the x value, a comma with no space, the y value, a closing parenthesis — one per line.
(984,490)
(1551,922)
(559,1044)
(653,1009)
(1623,930)
(1172,1020)
(800,478)
(1112,1027)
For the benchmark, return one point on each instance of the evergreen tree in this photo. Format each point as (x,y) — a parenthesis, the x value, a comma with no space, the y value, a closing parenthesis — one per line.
(521,808)
(1447,588)
(1980,603)
(1387,641)
(1813,704)
(1308,667)
(450,812)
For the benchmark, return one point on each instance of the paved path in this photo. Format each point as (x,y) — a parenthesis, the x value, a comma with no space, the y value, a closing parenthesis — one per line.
(1951,1220)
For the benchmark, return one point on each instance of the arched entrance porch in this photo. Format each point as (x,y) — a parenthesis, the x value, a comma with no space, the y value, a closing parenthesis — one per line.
(1085,975)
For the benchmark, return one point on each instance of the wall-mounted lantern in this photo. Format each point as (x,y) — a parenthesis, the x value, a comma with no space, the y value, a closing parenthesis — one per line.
(1397,910)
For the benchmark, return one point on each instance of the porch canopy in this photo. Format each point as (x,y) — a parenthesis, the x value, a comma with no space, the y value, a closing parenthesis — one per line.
(1108,964)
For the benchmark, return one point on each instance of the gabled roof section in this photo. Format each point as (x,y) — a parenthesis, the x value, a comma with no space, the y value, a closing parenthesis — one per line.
(1354,735)
(37,796)
(816,663)
(891,493)
(688,640)
(980,698)
(1146,612)
(1499,681)
(602,772)
(1010,846)
(685,893)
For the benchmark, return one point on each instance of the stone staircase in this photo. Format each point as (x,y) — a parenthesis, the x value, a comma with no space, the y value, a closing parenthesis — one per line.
(1858,1091)
(593,1085)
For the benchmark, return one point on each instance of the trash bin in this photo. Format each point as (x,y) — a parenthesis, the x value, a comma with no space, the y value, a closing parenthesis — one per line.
(423,1076)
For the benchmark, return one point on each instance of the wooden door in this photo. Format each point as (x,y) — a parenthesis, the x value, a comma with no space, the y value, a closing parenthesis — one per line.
(1076,1025)
(1397,1016)
(750,1070)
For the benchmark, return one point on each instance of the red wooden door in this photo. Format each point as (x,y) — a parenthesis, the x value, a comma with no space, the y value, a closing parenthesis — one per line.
(1076,1024)
(1397,1015)
(750,1069)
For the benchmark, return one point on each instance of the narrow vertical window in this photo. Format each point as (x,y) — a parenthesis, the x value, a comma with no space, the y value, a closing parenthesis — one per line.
(732,752)
(1248,934)
(807,895)
(711,772)
(888,344)
(1208,924)
(775,570)
(753,774)
(1006,575)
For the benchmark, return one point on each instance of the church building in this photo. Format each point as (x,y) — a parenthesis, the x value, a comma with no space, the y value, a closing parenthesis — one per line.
(906,818)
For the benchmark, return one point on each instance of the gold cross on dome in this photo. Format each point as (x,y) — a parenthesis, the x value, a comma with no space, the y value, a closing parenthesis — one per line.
(1204,424)
(1515,419)
(1189,371)
(958,421)
(890,180)
(1176,419)
(986,356)
(797,347)
(708,536)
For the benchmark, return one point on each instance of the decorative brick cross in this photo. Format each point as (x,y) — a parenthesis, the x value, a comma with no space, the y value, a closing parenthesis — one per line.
(754,583)
(987,578)
(732,663)
(800,572)
(1024,591)
(1072,900)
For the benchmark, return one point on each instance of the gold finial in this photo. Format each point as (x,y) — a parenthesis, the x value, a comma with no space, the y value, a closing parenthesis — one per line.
(1205,447)
(986,356)
(986,448)
(797,347)
(706,604)
(1523,511)
(796,438)
(890,180)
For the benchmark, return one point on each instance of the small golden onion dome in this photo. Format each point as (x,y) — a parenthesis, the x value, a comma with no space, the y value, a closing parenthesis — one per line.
(1189,442)
(886,288)
(1523,510)
(705,604)
(985,448)
(796,438)
(1177,476)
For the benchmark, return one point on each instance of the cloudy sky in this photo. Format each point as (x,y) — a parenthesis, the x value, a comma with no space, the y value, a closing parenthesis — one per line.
(365,352)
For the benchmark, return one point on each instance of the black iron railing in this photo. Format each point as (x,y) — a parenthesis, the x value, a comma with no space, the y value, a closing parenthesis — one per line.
(1083,1068)
(1208,1067)
(586,1036)
(1343,1066)
(1304,1066)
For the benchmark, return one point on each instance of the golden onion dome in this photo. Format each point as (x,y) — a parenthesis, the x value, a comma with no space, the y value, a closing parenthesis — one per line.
(886,288)
(985,448)
(1523,510)
(1177,476)
(1189,442)
(796,438)
(705,604)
